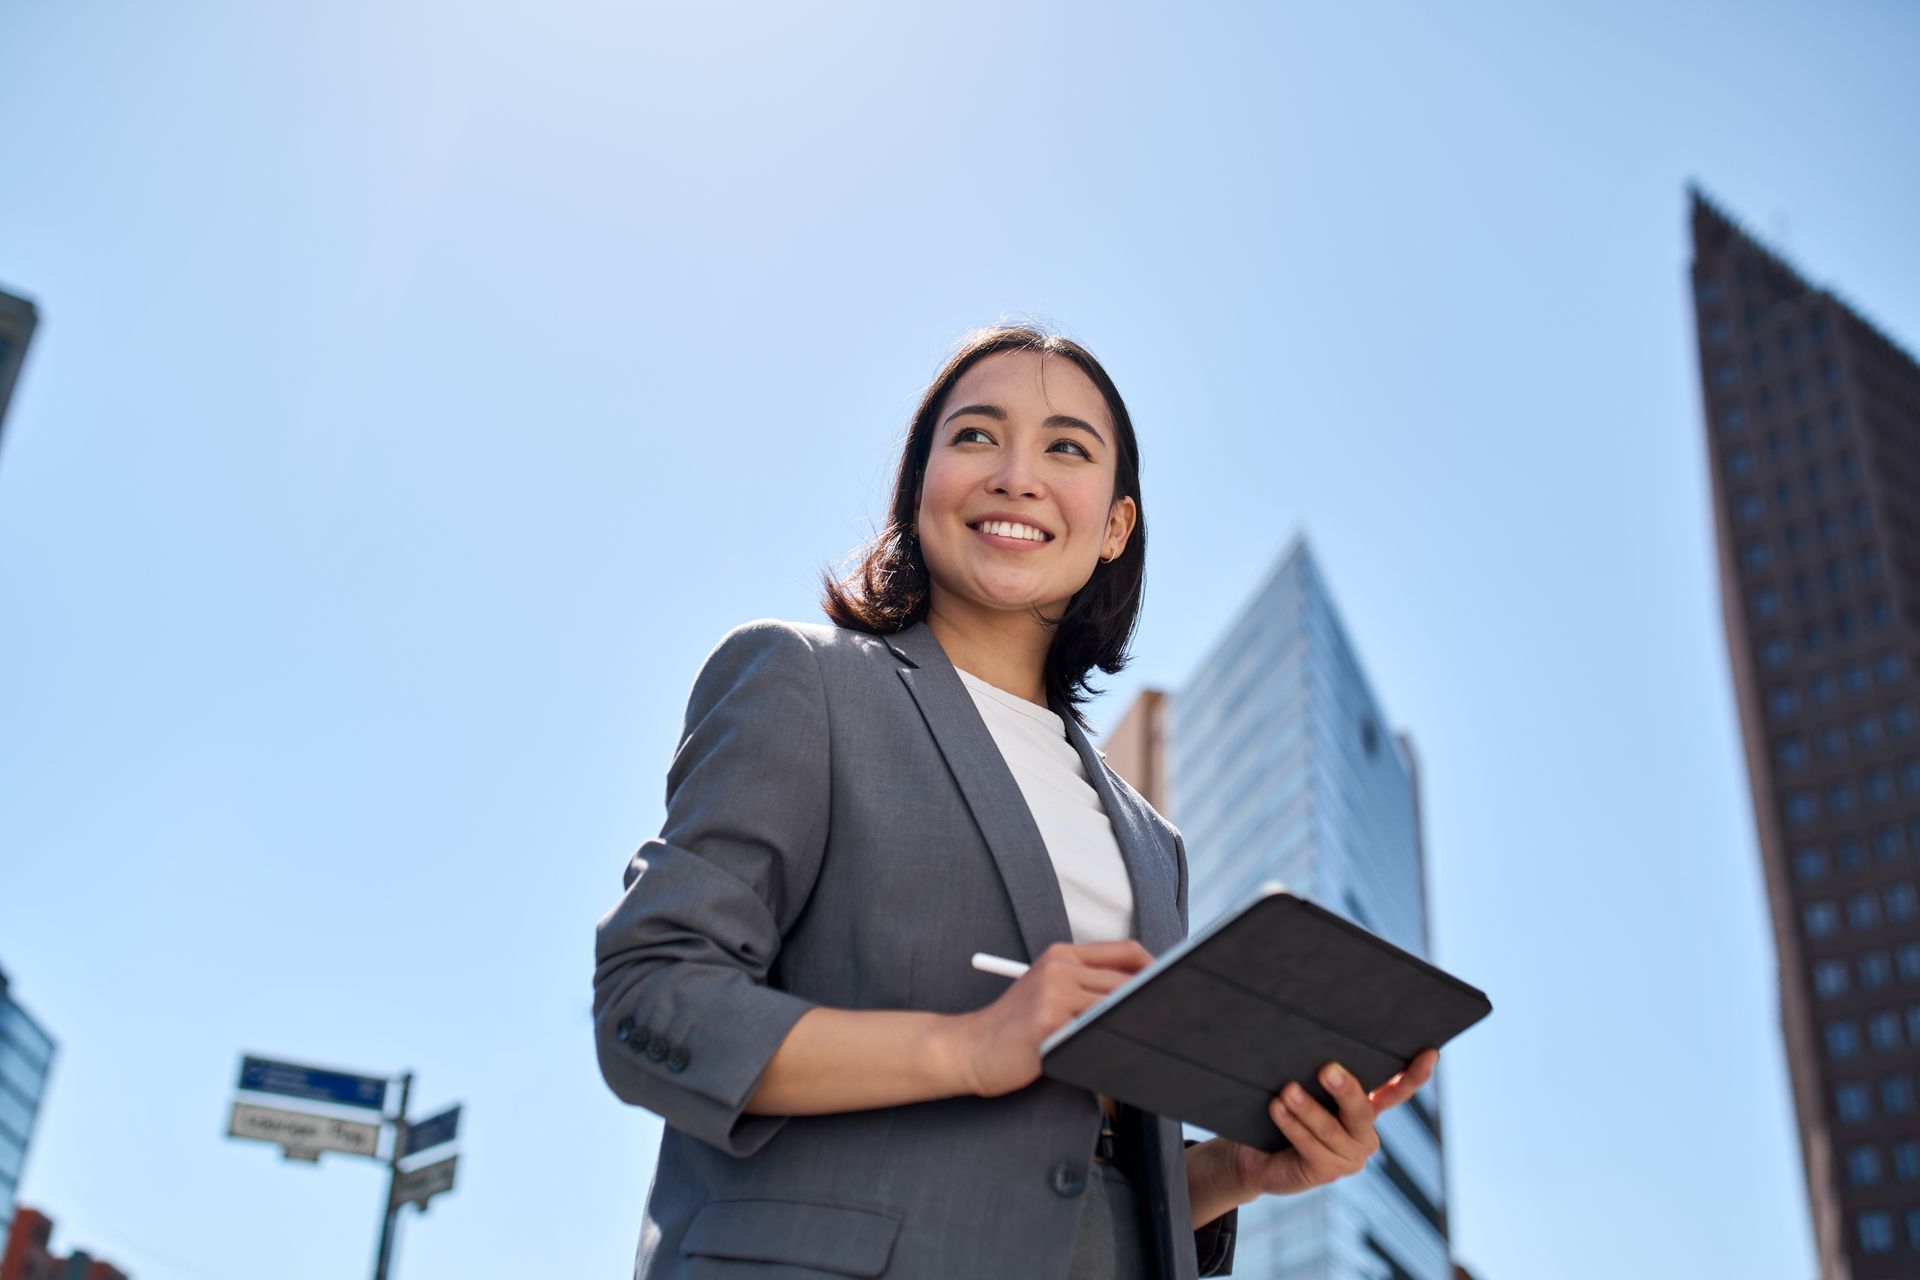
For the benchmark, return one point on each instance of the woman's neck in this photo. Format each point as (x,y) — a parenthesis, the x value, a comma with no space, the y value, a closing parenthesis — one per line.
(1006,649)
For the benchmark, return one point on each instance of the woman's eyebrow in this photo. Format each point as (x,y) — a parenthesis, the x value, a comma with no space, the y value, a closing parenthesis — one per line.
(995,412)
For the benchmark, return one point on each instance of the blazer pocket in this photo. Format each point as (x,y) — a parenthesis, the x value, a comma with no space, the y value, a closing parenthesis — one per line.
(849,1240)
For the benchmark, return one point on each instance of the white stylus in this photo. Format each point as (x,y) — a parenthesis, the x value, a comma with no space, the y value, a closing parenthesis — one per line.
(995,964)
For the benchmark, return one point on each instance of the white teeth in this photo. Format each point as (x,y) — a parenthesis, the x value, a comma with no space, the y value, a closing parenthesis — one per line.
(1008,529)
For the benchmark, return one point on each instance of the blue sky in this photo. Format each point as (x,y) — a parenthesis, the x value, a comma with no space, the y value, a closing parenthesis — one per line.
(423,388)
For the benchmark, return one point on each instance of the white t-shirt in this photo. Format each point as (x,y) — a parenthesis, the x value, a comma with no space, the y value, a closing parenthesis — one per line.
(1073,823)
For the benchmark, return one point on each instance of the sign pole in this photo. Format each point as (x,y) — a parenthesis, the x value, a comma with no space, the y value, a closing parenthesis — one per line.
(393,1177)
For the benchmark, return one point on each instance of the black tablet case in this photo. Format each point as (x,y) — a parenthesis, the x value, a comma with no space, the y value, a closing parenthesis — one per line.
(1270,995)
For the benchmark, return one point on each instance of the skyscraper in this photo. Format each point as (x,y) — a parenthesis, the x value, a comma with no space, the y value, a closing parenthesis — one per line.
(17,318)
(26,1053)
(1813,436)
(1280,766)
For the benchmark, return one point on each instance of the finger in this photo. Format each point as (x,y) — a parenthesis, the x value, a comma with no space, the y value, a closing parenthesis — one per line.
(1406,1083)
(1356,1110)
(1332,1134)
(1126,956)
(1321,1163)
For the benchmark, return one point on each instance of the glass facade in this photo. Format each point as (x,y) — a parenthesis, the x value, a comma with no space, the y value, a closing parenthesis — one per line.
(26,1055)
(1282,768)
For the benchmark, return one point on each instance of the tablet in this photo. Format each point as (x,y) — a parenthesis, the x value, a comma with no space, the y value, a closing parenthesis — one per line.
(1269,993)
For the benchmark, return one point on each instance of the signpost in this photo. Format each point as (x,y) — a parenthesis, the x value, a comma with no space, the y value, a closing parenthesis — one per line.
(262,1075)
(303,1135)
(431,1132)
(420,1185)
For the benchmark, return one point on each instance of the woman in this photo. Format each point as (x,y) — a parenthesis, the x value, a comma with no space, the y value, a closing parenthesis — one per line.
(853,812)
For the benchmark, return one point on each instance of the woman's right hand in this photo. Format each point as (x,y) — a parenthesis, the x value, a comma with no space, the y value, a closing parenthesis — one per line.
(996,1049)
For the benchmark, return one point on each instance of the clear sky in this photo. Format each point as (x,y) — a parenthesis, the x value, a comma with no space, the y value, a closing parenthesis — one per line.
(423,388)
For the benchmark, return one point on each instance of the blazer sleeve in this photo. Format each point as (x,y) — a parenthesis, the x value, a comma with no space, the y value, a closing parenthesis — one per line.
(684,1019)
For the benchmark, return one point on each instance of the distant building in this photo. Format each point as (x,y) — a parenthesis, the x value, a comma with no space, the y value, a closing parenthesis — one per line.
(1277,764)
(17,318)
(1813,442)
(26,1053)
(29,1255)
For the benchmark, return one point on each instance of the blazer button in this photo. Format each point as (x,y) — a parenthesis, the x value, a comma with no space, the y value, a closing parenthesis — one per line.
(638,1038)
(657,1049)
(1067,1179)
(677,1062)
(623,1029)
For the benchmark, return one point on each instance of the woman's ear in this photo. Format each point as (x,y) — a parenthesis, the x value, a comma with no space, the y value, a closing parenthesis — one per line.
(1121,517)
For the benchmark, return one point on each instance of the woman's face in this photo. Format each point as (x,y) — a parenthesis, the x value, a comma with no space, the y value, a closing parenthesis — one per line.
(1016,504)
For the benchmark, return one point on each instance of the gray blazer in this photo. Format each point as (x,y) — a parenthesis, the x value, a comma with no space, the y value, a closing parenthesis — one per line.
(842,830)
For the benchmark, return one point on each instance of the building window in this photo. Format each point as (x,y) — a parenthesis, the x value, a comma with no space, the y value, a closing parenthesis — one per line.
(1852,1102)
(1875,969)
(1900,720)
(1860,514)
(1726,375)
(1907,958)
(1766,604)
(1879,613)
(1910,777)
(1733,418)
(1913,1228)
(1866,730)
(1790,535)
(1783,701)
(1870,565)
(1840,798)
(1863,910)
(1757,554)
(1876,1231)
(1901,902)
(1848,853)
(1810,864)
(1843,1039)
(1896,1095)
(1710,290)
(1822,919)
(1775,651)
(1906,1161)
(1833,743)
(1810,636)
(1886,842)
(1823,689)
(1913,1023)
(1802,808)
(1878,784)
(1857,677)
(1740,464)
(1830,979)
(1891,667)
(1863,1166)
(1883,1031)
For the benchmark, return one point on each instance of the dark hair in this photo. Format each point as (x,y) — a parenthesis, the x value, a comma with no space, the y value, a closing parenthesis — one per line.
(888,587)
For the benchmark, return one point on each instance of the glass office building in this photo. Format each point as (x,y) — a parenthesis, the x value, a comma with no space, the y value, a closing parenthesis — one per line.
(1282,767)
(26,1053)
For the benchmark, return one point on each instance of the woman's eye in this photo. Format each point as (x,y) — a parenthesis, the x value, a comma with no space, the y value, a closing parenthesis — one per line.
(964,434)
(1074,445)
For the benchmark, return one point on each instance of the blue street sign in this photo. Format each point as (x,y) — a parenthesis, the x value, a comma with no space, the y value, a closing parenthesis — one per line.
(432,1131)
(295,1081)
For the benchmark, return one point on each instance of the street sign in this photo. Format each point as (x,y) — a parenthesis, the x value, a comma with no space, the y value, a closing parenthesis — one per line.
(422,1184)
(263,1075)
(304,1136)
(432,1131)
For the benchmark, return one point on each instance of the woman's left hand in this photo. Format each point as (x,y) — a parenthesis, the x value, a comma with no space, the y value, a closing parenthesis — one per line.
(1325,1146)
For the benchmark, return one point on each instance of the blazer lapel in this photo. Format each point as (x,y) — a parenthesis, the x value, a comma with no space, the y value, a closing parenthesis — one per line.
(1150,865)
(988,786)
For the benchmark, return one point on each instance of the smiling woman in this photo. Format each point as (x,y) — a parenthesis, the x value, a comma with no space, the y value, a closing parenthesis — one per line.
(855,811)
(1036,436)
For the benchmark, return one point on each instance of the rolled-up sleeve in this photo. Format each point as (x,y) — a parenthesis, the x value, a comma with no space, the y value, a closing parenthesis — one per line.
(684,1020)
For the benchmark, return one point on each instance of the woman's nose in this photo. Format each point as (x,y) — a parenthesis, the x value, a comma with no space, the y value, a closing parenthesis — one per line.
(1014,477)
